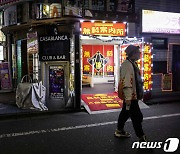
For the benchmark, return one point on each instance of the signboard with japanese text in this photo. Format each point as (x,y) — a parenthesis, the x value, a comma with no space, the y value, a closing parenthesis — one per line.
(54,47)
(98,60)
(103,29)
(87,53)
(109,53)
(147,67)
(98,102)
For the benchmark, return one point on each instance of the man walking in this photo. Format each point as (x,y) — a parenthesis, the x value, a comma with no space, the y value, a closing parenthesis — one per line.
(132,90)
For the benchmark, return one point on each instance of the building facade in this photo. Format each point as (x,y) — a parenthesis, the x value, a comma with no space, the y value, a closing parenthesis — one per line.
(45,39)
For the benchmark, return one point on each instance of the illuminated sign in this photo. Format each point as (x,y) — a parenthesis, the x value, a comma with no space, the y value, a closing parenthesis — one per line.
(98,60)
(104,29)
(160,22)
(147,67)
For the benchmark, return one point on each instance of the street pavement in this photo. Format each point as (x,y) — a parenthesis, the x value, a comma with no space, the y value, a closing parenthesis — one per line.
(82,133)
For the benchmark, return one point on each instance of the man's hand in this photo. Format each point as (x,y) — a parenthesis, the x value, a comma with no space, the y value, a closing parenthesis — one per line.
(128,104)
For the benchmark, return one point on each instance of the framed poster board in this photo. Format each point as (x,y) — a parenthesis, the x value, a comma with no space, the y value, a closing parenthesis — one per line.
(167,82)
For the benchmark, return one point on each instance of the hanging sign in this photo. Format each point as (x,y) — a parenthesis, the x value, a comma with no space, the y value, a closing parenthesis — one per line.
(104,29)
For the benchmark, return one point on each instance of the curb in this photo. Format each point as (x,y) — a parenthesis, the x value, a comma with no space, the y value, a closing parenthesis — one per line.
(37,113)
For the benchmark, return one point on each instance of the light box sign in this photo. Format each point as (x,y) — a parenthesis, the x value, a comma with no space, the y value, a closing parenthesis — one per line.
(103,29)
(160,22)
(98,59)
(54,47)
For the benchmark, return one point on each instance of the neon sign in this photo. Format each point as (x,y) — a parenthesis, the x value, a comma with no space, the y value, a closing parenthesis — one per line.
(104,29)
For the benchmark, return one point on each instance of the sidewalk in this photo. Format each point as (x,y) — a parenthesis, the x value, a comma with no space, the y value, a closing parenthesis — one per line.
(8,107)
(8,103)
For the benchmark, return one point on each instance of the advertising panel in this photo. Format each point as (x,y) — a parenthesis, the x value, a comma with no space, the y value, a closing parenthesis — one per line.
(167,82)
(56,82)
(160,22)
(109,53)
(103,29)
(5,76)
(87,53)
(54,47)
(32,43)
(98,60)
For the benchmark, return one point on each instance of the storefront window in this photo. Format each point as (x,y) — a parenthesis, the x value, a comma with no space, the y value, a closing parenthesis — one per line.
(48,10)
(98,5)
(124,6)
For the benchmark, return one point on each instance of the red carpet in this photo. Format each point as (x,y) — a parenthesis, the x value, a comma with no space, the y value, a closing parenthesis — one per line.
(97,102)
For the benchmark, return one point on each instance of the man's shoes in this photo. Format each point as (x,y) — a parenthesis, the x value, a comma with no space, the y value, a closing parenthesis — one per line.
(143,139)
(121,133)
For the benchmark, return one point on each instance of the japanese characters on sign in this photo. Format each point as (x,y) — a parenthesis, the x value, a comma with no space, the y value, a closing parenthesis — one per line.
(147,67)
(102,101)
(104,29)
(98,59)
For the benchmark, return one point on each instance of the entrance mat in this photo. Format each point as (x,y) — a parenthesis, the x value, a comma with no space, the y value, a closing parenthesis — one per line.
(100,103)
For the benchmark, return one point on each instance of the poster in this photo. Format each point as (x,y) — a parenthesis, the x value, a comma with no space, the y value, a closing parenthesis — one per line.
(98,60)
(5,76)
(32,43)
(56,82)
(167,82)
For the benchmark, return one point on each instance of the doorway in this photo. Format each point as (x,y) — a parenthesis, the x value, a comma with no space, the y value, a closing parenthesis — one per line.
(55,78)
(176,67)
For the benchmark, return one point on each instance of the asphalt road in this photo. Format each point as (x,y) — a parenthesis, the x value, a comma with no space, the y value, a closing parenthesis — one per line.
(81,133)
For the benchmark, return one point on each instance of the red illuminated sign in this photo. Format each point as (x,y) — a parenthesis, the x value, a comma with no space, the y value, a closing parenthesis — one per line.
(104,29)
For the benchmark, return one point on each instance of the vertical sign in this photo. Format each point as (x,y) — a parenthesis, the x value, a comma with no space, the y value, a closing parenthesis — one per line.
(147,67)
(87,53)
(19,61)
(109,53)
(56,82)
